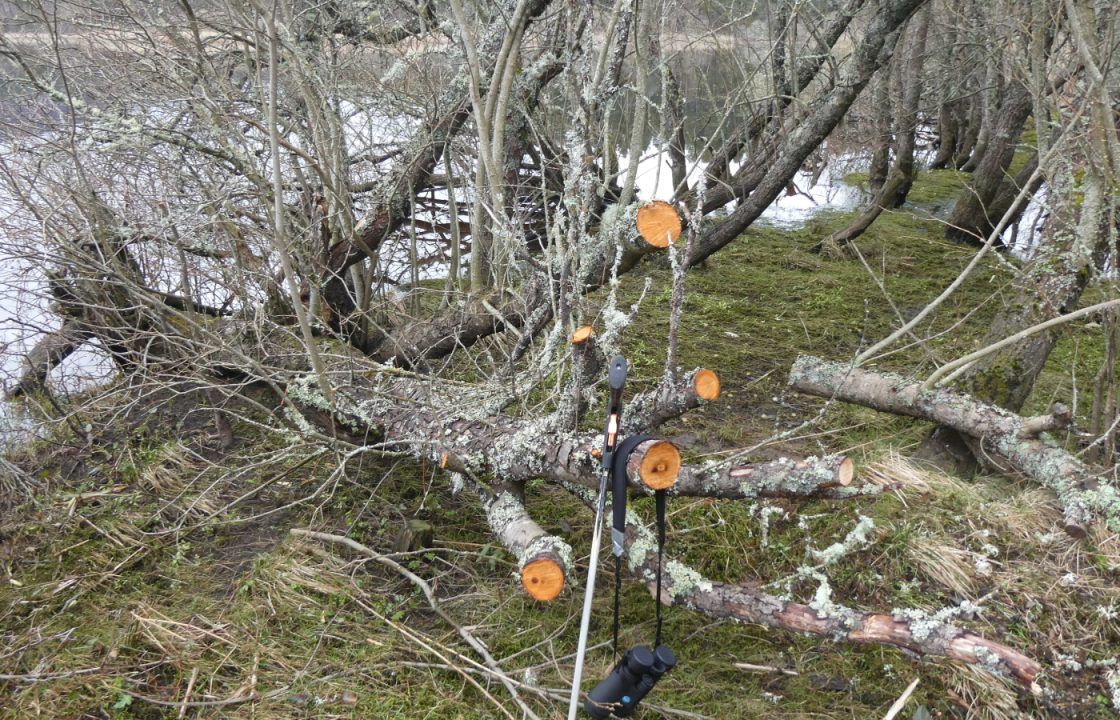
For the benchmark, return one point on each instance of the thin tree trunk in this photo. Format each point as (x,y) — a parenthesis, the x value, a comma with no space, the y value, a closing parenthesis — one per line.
(47,354)
(1009,439)
(893,192)
(881,155)
(947,129)
(972,218)
(989,100)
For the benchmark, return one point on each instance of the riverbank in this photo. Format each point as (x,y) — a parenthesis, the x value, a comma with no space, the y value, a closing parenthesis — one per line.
(139,580)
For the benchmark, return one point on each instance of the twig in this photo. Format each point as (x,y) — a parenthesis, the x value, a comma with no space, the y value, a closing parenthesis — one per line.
(425,588)
(236,700)
(34,677)
(901,701)
(955,368)
(187,694)
(750,667)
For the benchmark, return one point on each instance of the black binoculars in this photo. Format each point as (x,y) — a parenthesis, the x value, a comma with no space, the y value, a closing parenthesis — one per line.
(629,681)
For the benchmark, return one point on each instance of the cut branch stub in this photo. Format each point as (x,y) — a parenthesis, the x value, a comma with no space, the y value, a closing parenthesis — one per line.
(581,335)
(706,384)
(671,399)
(543,578)
(657,463)
(658,223)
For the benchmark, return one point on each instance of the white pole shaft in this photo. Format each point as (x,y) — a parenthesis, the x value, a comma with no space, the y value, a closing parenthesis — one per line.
(588,596)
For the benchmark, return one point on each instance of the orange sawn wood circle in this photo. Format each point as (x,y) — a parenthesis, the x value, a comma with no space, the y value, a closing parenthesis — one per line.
(660,466)
(706,384)
(658,223)
(543,578)
(581,335)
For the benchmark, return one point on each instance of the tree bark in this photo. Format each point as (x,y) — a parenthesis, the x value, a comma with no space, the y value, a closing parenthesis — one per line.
(747,603)
(1082,495)
(881,106)
(46,355)
(1010,189)
(988,100)
(892,193)
(948,128)
(973,217)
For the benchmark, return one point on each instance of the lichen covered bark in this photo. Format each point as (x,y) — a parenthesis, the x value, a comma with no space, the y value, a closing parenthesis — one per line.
(650,409)
(1084,496)
(908,629)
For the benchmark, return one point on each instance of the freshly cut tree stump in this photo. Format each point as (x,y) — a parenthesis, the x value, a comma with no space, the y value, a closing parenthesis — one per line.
(650,409)
(706,384)
(659,224)
(657,463)
(581,335)
(543,578)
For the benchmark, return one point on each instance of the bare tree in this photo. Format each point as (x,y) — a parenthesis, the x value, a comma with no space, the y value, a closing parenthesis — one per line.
(333,213)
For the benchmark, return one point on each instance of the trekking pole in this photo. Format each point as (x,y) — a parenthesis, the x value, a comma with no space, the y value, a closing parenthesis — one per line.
(616,377)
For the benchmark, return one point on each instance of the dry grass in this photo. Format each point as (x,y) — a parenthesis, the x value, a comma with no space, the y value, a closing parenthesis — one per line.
(981,695)
(896,471)
(947,564)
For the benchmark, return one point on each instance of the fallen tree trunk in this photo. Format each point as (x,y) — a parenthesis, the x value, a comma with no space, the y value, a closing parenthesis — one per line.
(1006,438)
(543,559)
(400,412)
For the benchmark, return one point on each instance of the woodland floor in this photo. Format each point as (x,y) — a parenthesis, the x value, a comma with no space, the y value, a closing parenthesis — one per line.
(129,576)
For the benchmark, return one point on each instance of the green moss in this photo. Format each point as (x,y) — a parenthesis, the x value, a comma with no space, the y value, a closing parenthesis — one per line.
(937,186)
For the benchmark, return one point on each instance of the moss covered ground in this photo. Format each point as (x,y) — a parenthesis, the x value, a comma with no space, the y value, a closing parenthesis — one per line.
(158,567)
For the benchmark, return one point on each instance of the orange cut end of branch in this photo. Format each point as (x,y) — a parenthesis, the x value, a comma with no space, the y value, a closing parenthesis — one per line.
(443,459)
(658,223)
(846,472)
(543,579)
(581,335)
(706,384)
(660,466)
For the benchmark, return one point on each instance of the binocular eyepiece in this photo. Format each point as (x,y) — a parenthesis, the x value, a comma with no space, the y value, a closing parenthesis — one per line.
(629,681)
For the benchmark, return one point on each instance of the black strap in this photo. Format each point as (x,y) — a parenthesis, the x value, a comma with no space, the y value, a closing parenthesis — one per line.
(618,510)
(617,595)
(619,479)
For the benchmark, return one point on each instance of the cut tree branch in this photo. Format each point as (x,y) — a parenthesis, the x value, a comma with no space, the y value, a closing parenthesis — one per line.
(1004,436)
(746,603)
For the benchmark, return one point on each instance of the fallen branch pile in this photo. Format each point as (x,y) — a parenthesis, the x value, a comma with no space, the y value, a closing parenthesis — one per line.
(398,411)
